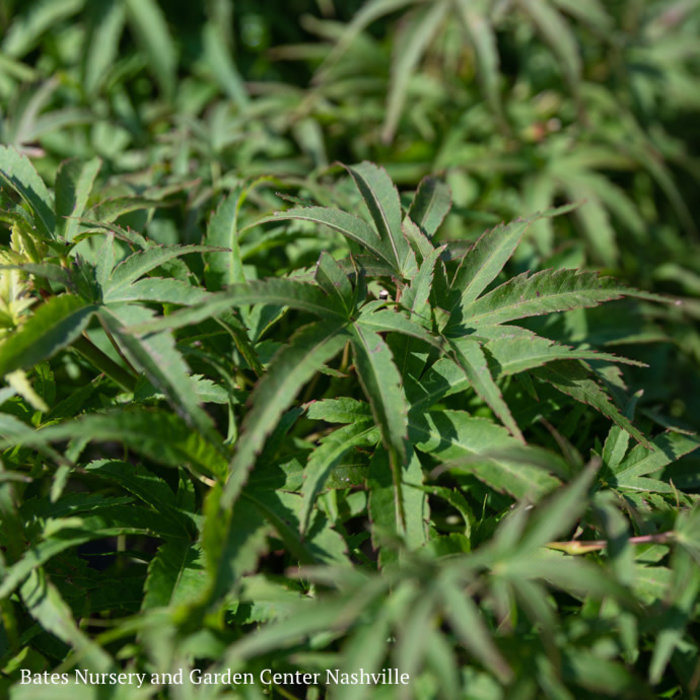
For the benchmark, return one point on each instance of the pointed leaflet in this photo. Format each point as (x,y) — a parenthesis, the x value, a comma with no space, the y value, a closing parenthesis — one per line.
(283,292)
(45,604)
(18,172)
(350,226)
(542,293)
(471,358)
(309,349)
(176,575)
(331,278)
(665,448)
(327,455)
(490,253)
(486,259)
(225,267)
(483,38)
(162,290)
(382,385)
(382,510)
(143,261)
(384,320)
(382,200)
(516,349)
(466,621)
(411,41)
(161,436)
(151,29)
(430,205)
(572,379)
(74,181)
(164,366)
(415,297)
(478,446)
(53,326)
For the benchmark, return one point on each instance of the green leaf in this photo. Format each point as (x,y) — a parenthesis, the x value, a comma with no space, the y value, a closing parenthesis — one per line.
(654,455)
(572,379)
(483,38)
(341,410)
(416,297)
(472,360)
(151,29)
(478,446)
(26,28)
(431,204)
(350,226)
(282,292)
(327,456)
(382,199)
(220,61)
(47,607)
(557,34)
(466,621)
(74,182)
(562,510)
(105,24)
(331,278)
(52,327)
(385,320)
(411,42)
(176,575)
(160,436)
(164,291)
(19,173)
(225,267)
(309,349)
(157,356)
(381,383)
(143,261)
(486,259)
(516,349)
(542,293)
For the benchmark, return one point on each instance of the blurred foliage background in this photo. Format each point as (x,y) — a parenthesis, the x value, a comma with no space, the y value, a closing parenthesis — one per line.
(519,105)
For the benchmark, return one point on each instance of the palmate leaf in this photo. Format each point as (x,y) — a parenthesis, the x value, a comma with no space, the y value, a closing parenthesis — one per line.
(309,349)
